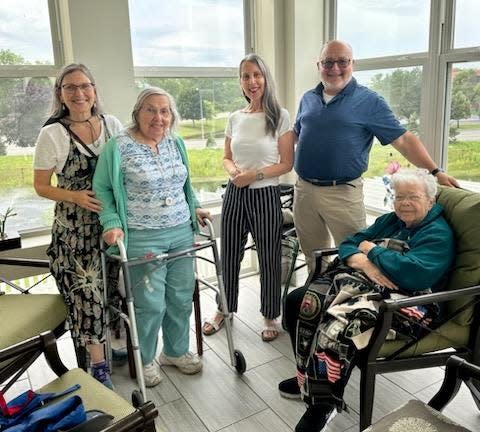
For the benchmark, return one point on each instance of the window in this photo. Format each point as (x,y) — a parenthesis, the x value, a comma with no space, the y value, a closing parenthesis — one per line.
(392,50)
(466,23)
(192,49)
(401,88)
(464,124)
(187,33)
(26,71)
(203,105)
(402,24)
(26,32)
(20,120)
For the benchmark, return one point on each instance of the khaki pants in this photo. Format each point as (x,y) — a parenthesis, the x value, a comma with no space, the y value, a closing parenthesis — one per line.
(325,212)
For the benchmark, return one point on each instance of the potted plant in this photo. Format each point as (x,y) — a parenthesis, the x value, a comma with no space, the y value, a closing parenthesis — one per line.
(10,240)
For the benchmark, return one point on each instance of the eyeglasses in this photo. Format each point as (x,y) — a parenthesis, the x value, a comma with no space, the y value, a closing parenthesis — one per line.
(72,88)
(164,112)
(410,198)
(342,63)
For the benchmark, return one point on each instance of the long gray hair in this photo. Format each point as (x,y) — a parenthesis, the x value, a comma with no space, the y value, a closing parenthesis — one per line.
(59,109)
(151,91)
(270,105)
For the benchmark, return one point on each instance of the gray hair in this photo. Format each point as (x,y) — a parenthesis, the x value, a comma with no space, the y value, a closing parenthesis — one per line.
(419,175)
(152,91)
(59,109)
(270,105)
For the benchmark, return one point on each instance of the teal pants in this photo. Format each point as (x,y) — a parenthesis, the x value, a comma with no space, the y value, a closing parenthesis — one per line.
(162,291)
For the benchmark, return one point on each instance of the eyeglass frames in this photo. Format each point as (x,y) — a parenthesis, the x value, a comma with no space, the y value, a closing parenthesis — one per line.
(342,63)
(72,88)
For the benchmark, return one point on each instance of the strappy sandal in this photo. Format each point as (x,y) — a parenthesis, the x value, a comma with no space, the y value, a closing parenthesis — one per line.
(214,326)
(273,333)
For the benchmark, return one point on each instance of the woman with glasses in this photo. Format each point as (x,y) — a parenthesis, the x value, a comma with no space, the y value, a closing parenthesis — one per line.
(144,187)
(404,253)
(258,149)
(68,146)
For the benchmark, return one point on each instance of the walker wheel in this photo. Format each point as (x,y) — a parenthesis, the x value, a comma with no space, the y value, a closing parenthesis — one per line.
(240,363)
(137,399)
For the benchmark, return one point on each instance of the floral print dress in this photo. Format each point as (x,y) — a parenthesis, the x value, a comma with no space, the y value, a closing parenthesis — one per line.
(74,253)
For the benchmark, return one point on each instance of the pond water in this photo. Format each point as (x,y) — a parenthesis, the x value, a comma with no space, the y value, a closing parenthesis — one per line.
(32,210)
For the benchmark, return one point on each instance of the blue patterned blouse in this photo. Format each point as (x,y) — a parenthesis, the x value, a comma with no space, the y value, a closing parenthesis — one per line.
(154,184)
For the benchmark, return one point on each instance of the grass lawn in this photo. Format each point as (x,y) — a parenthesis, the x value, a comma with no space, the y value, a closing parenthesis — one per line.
(206,164)
(216,126)
(463,160)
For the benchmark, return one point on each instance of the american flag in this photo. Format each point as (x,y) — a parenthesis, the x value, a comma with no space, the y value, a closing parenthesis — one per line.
(334,367)
(300,378)
(413,312)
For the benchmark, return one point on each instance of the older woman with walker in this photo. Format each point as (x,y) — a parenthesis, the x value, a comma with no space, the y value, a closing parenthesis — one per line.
(144,186)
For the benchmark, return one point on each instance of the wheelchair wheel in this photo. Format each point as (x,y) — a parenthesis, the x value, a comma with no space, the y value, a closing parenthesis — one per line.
(240,363)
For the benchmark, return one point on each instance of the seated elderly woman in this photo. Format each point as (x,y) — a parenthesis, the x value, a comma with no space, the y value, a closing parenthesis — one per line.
(406,252)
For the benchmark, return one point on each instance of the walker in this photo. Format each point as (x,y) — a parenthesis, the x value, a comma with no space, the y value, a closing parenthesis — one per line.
(237,360)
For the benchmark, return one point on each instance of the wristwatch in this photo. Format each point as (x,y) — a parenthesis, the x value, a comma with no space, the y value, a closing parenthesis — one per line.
(435,171)
(259,175)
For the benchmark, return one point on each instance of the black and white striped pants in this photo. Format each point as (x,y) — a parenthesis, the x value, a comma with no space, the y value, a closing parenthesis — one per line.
(259,212)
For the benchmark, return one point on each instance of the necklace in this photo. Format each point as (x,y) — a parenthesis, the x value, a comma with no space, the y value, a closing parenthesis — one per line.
(80,121)
(93,132)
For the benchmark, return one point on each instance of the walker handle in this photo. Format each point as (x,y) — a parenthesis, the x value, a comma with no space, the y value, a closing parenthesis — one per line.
(211,231)
(122,250)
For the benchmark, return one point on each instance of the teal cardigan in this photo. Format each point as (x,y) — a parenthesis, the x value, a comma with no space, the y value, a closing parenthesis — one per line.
(109,187)
(431,254)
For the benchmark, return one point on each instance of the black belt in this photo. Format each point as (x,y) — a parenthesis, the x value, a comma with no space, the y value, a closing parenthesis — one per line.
(328,182)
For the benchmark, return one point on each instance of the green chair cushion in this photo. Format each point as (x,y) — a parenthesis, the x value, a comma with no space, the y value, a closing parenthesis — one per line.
(94,395)
(462,211)
(27,315)
(451,335)
(415,416)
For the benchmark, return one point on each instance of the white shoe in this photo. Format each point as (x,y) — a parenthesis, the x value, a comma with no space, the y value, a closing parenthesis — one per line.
(188,363)
(151,374)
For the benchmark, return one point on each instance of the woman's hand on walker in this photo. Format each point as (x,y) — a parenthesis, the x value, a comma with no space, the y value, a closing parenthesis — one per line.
(111,236)
(202,214)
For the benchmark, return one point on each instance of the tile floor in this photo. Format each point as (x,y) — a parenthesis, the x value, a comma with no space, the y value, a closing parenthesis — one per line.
(218,399)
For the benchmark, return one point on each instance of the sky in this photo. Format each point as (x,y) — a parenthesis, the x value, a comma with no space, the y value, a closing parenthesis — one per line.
(210,32)
(164,33)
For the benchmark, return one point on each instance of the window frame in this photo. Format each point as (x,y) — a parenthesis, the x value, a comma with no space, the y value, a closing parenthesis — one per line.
(436,63)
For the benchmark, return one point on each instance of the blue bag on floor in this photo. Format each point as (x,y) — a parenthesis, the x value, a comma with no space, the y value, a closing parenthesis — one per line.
(27,412)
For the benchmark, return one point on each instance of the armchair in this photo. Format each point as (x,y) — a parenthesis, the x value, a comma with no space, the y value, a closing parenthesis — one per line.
(415,414)
(458,334)
(94,395)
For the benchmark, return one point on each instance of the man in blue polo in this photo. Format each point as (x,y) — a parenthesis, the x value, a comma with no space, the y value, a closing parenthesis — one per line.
(335,127)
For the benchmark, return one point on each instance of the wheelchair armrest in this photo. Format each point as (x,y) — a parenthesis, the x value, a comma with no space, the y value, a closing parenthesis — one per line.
(388,307)
(429,298)
(457,371)
(318,256)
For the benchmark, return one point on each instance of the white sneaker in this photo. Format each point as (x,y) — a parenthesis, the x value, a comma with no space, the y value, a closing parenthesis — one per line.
(151,374)
(188,363)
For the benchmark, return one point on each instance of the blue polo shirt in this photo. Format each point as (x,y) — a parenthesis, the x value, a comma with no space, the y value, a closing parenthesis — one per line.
(334,139)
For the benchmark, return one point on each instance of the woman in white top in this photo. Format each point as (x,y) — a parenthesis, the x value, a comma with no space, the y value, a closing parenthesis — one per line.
(258,149)
(68,145)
